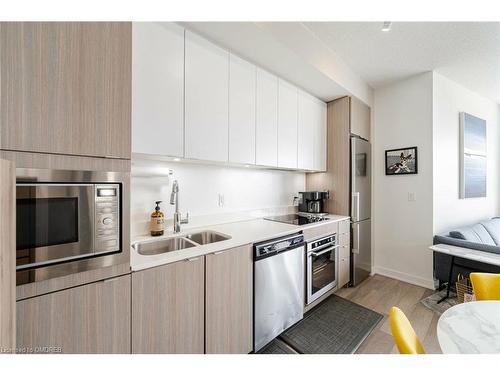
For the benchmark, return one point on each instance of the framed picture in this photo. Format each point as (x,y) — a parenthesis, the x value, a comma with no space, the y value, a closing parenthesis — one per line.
(401,161)
(472,156)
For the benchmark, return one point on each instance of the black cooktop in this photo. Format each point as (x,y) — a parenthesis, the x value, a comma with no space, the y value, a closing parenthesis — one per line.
(296,219)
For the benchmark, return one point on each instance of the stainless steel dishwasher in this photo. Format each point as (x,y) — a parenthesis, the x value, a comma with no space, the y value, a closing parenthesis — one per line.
(278,287)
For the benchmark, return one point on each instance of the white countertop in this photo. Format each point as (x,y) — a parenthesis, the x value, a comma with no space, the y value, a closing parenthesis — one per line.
(470,328)
(241,232)
(463,252)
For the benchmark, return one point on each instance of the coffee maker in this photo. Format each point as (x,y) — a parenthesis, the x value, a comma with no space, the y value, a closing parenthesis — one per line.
(312,202)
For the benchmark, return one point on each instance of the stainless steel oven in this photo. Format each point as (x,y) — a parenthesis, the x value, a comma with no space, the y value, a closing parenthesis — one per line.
(66,219)
(322,266)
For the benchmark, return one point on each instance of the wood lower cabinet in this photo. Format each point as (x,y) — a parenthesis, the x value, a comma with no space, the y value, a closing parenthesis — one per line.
(229,301)
(93,318)
(66,87)
(168,308)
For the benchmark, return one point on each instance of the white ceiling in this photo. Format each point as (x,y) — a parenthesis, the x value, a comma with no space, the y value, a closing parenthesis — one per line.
(466,52)
(331,59)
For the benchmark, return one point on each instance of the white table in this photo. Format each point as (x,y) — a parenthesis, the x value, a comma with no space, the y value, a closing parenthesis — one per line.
(470,328)
(465,253)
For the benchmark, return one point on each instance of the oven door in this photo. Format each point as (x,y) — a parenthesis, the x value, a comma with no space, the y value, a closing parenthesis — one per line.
(321,272)
(55,222)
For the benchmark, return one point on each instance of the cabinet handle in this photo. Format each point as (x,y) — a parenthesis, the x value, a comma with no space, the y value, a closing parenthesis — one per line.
(220,252)
(111,279)
(192,259)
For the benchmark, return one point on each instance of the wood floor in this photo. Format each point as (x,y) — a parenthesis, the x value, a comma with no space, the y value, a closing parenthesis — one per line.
(380,293)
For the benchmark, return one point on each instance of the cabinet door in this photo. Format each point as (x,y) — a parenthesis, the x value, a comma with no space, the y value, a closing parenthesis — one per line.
(93,318)
(242,76)
(287,125)
(267,119)
(158,89)
(306,131)
(320,137)
(344,239)
(229,301)
(168,308)
(344,265)
(7,255)
(207,97)
(360,118)
(66,87)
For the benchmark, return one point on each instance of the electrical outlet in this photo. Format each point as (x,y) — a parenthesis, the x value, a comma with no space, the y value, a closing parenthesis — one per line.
(412,197)
(221,200)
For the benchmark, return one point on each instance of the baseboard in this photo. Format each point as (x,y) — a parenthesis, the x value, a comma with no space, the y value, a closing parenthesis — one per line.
(407,278)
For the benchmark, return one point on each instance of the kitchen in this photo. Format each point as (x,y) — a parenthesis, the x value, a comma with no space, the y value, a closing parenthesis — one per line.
(256,178)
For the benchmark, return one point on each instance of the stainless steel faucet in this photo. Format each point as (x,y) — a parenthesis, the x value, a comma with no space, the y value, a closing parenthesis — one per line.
(174,200)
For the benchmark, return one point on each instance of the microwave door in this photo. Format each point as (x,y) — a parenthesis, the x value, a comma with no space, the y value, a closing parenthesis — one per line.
(54,223)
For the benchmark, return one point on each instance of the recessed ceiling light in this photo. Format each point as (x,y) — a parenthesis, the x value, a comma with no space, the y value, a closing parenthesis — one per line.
(177,159)
(386,26)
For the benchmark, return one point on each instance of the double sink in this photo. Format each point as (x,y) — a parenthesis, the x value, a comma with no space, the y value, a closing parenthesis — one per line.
(179,243)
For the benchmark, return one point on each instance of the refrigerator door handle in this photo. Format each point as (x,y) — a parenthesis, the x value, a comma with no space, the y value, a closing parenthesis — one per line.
(355,205)
(355,239)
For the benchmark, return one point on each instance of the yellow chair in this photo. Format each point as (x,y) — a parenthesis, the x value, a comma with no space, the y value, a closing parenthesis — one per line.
(486,285)
(404,335)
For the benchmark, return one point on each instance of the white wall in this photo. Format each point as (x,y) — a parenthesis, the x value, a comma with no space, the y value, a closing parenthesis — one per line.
(449,211)
(247,191)
(403,230)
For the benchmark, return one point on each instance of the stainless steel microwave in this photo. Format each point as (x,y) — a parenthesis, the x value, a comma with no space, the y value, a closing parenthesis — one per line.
(66,216)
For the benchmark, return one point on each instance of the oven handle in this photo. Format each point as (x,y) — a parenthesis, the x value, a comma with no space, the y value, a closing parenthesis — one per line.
(311,253)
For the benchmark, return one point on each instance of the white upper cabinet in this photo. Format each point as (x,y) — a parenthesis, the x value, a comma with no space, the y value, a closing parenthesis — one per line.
(306,110)
(320,141)
(193,99)
(267,119)
(287,125)
(312,133)
(242,80)
(158,88)
(206,99)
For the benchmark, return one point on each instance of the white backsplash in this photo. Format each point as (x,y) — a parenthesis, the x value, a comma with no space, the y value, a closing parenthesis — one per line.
(247,192)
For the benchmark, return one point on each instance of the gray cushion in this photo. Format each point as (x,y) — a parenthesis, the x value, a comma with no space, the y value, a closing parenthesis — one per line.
(474,233)
(493,228)
(462,243)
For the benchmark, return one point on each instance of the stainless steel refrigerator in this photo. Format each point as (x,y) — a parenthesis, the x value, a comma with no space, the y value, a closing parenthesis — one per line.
(361,254)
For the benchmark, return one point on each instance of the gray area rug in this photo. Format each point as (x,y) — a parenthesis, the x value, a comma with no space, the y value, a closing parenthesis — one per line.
(277,347)
(431,302)
(336,326)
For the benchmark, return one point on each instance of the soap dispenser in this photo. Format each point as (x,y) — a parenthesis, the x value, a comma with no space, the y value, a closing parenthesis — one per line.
(157,221)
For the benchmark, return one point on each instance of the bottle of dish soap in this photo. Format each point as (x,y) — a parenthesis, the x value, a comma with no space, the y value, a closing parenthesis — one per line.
(157,221)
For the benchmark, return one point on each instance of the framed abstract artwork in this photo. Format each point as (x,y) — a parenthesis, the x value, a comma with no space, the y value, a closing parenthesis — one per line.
(472,156)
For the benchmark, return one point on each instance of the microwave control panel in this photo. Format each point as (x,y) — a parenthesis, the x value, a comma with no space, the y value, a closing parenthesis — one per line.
(107,218)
